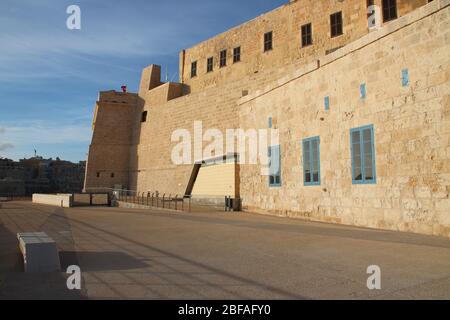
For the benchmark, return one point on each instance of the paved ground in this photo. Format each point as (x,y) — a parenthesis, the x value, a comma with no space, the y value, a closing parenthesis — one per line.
(131,253)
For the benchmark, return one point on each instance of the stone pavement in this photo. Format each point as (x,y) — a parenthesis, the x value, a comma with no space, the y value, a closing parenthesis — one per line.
(151,254)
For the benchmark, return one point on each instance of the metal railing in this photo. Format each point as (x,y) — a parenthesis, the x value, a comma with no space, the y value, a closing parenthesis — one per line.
(153,199)
(91,199)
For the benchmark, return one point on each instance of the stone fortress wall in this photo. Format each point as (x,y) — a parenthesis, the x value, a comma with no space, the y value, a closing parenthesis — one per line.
(137,155)
(411,130)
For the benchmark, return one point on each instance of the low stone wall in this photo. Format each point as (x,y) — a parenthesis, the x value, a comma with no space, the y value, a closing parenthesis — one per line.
(64,201)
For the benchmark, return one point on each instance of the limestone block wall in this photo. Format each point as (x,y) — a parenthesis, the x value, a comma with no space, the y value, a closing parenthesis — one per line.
(109,153)
(285,22)
(289,84)
(151,165)
(411,130)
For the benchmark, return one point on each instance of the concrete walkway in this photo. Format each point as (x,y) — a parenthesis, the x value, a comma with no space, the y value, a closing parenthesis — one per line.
(142,254)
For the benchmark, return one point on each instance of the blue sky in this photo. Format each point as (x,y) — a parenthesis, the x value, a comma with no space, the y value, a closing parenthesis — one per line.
(50,76)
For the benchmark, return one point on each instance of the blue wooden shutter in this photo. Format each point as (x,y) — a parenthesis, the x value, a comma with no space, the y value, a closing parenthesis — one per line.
(363,155)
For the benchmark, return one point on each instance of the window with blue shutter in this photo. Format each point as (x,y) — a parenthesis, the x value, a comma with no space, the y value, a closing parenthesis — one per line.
(363,155)
(275,166)
(405,77)
(362,91)
(327,103)
(311,161)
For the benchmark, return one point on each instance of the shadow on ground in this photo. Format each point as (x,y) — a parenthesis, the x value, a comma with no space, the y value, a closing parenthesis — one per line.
(100,261)
(16,284)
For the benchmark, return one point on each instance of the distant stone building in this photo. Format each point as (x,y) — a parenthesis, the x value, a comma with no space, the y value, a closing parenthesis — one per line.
(12,180)
(39,175)
(361,103)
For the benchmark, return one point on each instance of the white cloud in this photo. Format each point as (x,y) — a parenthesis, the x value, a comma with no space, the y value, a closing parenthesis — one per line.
(36,45)
(42,132)
(4,146)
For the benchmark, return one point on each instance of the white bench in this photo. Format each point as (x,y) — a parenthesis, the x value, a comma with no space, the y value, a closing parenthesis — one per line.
(39,251)
(61,200)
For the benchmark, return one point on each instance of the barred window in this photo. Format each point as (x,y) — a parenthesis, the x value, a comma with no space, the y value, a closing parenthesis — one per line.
(223,58)
(336,24)
(268,45)
(236,54)
(306,35)
(389,10)
(210,64)
(194,69)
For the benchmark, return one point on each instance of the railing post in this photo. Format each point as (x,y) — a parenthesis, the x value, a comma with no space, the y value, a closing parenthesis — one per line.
(163,199)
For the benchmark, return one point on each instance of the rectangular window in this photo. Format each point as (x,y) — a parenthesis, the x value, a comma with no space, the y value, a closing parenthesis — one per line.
(210,65)
(362,91)
(268,45)
(307,35)
(363,155)
(194,69)
(389,10)
(311,161)
(275,166)
(144,116)
(336,24)
(236,54)
(326,102)
(223,58)
(405,77)
(370,3)
(270,122)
